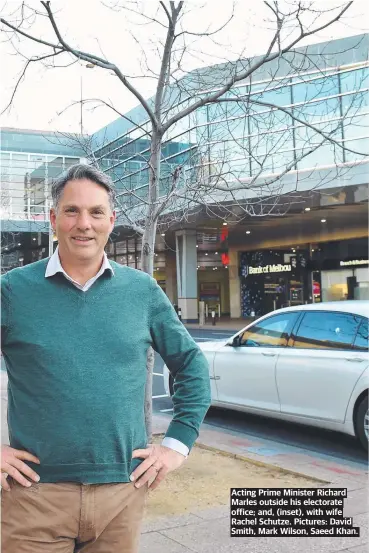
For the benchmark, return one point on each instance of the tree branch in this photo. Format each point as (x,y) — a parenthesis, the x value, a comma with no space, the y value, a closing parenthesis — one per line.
(167,12)
(267,58)
(66,46)
(90,58)
(208,33)
(297,119)
(39,40)
(103,102)
(22,75)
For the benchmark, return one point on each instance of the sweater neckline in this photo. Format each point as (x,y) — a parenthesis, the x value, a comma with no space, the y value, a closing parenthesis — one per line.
(92,293)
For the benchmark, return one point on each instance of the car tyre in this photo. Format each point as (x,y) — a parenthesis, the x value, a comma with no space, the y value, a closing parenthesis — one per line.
(362,422)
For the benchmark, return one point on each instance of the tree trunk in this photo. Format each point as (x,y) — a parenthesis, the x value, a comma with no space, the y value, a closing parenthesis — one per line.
(147,258)
(147,262)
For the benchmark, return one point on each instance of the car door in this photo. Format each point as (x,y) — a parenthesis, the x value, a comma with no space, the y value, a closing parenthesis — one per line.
(245,371)
(318,371)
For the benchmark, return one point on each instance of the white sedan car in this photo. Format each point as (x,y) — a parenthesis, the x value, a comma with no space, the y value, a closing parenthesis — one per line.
(306,364)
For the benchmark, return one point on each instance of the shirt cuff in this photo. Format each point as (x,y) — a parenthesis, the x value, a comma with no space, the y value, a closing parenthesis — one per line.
(176,445)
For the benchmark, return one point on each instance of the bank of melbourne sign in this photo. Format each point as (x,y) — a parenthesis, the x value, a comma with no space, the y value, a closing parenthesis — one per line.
(267,269)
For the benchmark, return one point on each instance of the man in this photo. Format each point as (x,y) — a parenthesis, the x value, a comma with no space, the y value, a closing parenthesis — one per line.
(75,334)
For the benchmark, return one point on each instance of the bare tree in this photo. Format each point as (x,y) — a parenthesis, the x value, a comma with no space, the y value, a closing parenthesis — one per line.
(233,167)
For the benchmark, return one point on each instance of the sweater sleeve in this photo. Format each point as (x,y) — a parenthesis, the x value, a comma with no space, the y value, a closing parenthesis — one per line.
(187,364)
(5,307)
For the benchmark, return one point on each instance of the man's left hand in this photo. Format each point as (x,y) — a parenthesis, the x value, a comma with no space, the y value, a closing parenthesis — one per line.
(158,462)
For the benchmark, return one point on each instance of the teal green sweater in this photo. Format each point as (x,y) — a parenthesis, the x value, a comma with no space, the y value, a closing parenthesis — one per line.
(76,365)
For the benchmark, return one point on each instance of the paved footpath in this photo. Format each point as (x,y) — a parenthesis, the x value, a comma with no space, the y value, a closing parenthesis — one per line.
(225,323)
(208,530)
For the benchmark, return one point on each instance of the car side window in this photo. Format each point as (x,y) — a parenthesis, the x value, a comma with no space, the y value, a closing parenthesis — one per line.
(361,342)
(271,332)
(327,330)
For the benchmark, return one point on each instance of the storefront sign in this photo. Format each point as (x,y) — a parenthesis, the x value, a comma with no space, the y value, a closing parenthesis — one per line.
(270,269)
(273,288)
(355,262)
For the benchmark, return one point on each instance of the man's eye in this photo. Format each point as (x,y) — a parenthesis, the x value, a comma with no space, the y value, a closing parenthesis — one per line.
(98,212)
(70,210)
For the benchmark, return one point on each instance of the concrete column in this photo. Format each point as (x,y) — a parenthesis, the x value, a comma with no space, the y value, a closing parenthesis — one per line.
(186,257)
(234,284)
(170,277)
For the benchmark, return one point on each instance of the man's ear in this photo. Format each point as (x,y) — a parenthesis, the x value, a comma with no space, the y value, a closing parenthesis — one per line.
(113,218)
(53,218)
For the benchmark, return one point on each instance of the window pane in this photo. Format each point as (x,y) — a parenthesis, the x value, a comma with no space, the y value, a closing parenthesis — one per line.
(309,90)
(271,137)
(272,332)
(357,149)
(20,157)
(318,112)
(327,154)
(356,127)
(323,330)
(272,163)
(69,161)
(355,103)
(307,136)
(121,247)
(280,96)
(361,341)
(354,80)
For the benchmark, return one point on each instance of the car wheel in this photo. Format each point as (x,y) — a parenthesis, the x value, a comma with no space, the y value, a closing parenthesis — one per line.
(362,422)
(171,384)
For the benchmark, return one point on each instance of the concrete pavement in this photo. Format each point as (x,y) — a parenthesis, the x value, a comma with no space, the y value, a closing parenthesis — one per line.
(208,530)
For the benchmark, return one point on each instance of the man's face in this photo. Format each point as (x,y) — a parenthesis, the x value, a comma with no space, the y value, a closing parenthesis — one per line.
(83,221)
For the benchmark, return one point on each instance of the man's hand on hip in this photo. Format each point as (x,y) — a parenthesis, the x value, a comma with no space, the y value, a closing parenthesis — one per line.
(13,465)
(158,462)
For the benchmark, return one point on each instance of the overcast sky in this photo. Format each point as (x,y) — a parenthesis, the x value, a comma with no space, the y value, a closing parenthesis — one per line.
(116,34)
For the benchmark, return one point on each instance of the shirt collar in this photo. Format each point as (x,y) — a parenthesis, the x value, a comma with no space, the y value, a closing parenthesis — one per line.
(54,266)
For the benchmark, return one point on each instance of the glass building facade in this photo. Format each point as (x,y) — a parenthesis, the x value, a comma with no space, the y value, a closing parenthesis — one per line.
(292,122)
(30,160)
(25,180)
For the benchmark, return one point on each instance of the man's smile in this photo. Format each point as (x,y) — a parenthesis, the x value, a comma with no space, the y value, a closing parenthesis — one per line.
(82,239)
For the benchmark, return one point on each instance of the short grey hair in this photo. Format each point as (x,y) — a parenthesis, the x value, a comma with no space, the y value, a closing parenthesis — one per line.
(82,171)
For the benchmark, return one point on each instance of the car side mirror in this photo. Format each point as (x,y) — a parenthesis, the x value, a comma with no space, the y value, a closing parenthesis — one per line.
(235,343)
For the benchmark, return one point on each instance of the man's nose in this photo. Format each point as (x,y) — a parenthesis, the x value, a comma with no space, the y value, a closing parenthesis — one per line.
(84,221)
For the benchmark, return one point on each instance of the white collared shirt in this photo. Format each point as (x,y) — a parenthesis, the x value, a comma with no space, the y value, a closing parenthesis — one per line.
(54,266)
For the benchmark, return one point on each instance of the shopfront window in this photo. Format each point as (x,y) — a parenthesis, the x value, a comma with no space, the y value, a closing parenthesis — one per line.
(334,285)
(361,290)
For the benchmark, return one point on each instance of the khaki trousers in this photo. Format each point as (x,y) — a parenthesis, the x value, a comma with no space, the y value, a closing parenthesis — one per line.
(69,517)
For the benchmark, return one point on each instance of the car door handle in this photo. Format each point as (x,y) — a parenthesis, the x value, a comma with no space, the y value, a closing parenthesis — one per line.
(354,359)
(215,378)
(269,354)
